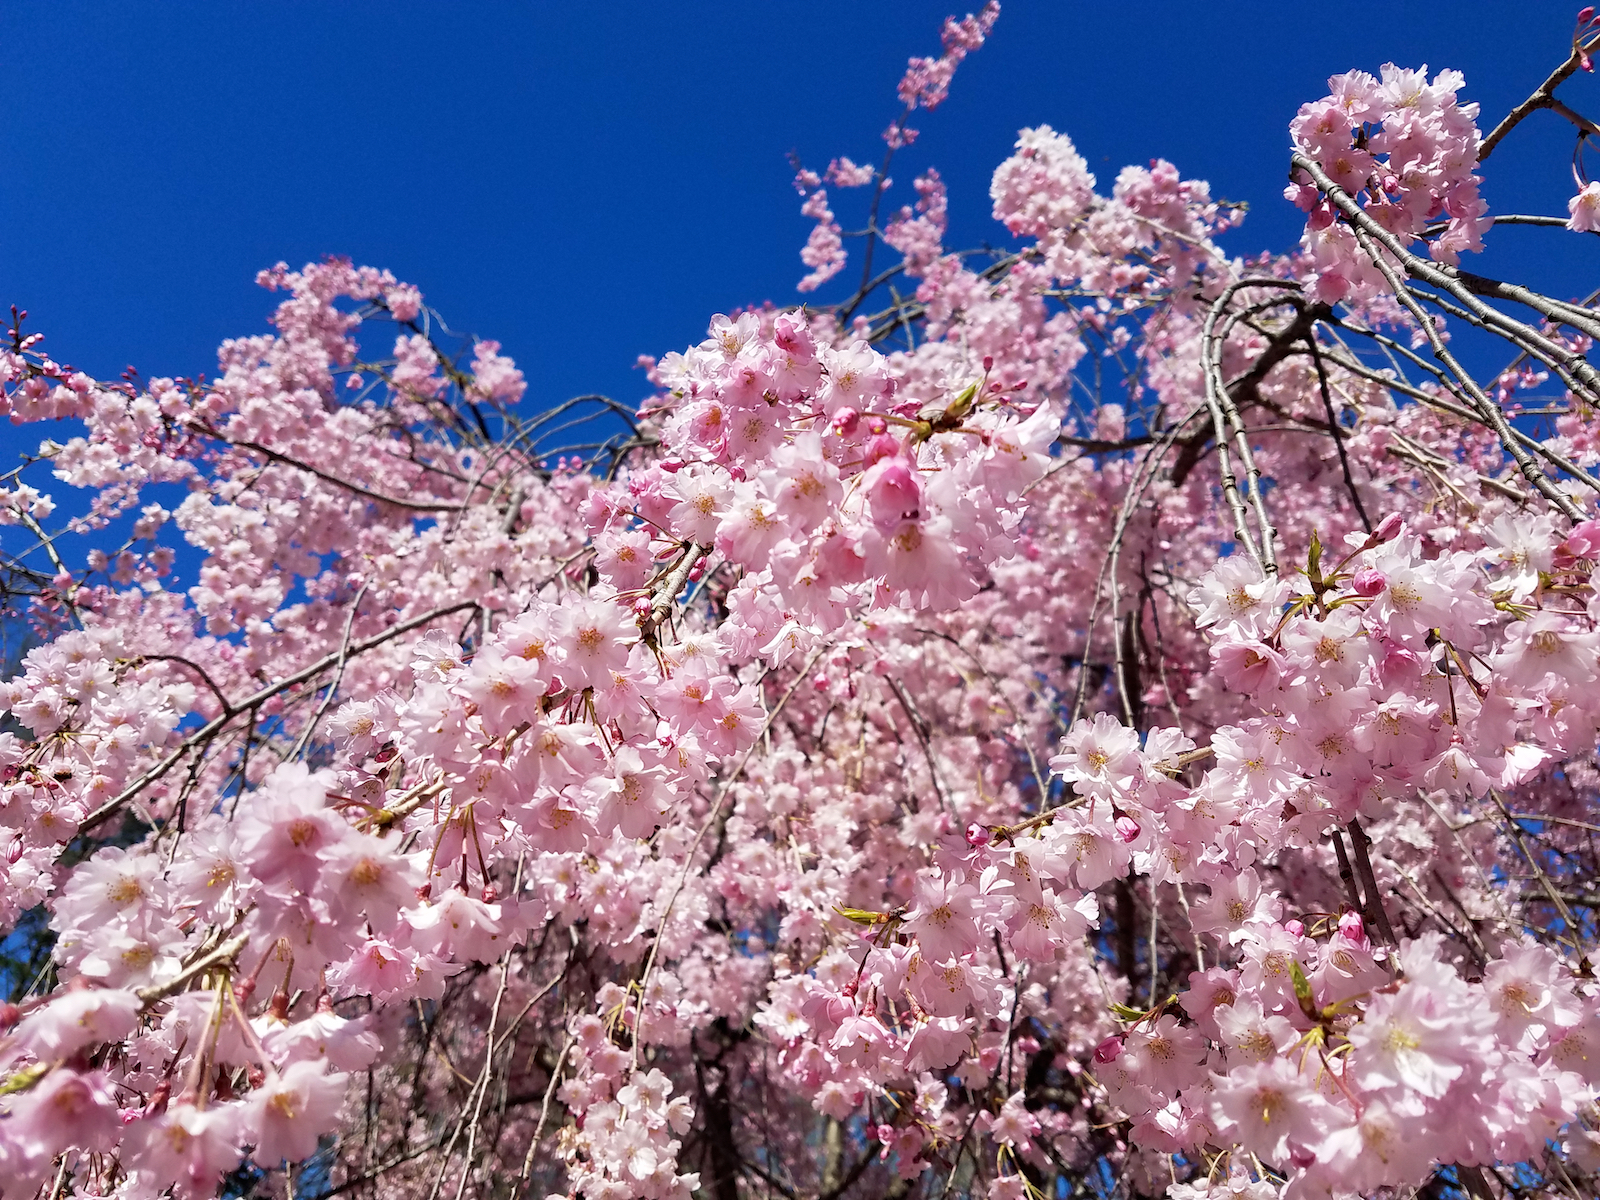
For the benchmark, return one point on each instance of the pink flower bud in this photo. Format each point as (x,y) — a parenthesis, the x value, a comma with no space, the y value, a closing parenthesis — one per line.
(820,681)
(846,421)
(1388,529)
(1295,927)
(278,1005)
(988,363)
(1369,581)
(1585,13)
(876,425)
(642,606)
(1350,925)
(1108,1050)
(1127,828)
(894,493)
(697,571)
(880,446)
(979,835)
(158,1099)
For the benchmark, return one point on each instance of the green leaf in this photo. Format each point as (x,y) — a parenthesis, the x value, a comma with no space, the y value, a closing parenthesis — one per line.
(1302,989)
(861,916)
(962,404)
(25,1078)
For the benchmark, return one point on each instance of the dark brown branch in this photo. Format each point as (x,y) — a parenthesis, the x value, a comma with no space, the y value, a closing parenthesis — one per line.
(1346,875)
(1338,435)
(347,485)
(1543,97)
(1374,914)
(193,666)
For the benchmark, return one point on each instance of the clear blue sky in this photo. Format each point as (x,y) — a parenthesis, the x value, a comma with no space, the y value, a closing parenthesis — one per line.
(587,182)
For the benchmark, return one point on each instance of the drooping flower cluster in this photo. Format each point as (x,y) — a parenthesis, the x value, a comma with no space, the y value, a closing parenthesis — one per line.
(1405,150)
(900,760)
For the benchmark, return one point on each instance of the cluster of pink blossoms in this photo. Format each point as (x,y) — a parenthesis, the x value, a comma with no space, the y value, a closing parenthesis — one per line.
(869,772)
(925,85)
(1406,150)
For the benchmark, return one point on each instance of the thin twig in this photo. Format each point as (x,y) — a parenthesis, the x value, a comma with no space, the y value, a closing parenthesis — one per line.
(209,730)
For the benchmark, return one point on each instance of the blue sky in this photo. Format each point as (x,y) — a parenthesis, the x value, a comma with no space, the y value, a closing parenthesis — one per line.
(588,182)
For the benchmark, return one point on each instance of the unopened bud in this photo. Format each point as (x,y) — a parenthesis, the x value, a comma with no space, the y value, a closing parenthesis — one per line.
(1108,1050)
(846,421)
(988,363)
(1351,926)
(879,446)
(1369,581)
(157,1103)
(979,835)
(1388,529)
(1295,927)
(1127,829)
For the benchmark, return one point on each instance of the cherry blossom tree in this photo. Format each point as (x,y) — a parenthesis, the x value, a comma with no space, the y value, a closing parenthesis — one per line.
(1107,717)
